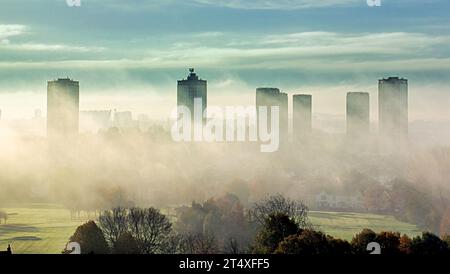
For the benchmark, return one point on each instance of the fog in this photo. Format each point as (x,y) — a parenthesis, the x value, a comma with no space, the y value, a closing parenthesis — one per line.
(141,165)
(146,167)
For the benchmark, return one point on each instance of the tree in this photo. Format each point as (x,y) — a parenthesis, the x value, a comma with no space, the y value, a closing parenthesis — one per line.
(113,224)
(231,246)
(112,196)
(199,244)
(405,244)
(375,197)
(126,244)
(446,239)
(428,244)
(239,188)
(339,247)
(231,220)
(415,206)
(360,241)
(3,216)
(280,204)
(174,244)
(190,219)
(389,242)
(276,227)
(223,217)
(150,228)
(445,223)
(91,239)
(308,242)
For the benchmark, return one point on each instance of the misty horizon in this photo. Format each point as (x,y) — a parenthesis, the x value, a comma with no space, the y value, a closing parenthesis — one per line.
(225,126)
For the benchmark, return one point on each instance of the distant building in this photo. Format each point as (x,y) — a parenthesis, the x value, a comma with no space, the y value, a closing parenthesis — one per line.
(62,107)
(273,97)
(123,119)
(393,107)
(191,88)
(94,120)
(325,200)
(358,114)
(302,115)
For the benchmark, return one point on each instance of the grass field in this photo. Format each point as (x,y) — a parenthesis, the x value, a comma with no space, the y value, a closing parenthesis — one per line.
(45,228)
(37,228)
(345,225)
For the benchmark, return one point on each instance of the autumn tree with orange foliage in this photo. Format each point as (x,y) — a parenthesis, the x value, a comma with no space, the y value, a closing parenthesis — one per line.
(444,228)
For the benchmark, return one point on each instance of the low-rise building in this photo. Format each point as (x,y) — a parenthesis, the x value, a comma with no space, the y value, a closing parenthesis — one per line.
(325,200)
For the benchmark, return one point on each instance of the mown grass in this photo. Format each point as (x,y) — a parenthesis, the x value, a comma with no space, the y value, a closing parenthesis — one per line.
(345,225)
(37,229)
(46,228)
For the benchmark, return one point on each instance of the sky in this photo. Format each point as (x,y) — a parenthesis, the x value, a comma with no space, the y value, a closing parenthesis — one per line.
(128,55)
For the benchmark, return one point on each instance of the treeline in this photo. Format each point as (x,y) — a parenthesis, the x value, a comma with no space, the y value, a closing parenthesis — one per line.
(222,226)
(281,235)
(409,200)
(410,204)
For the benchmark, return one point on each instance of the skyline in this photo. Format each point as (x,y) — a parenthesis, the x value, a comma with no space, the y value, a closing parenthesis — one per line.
(63,98)
(193,76)
(300,46)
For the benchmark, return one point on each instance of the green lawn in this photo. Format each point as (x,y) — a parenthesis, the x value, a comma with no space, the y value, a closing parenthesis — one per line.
(37,228)
(345,225)
(45,228)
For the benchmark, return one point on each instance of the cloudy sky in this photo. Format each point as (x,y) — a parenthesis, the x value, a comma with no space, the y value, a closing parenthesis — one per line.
(129,54)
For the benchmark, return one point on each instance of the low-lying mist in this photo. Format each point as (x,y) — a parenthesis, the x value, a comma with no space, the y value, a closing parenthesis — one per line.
(147,168)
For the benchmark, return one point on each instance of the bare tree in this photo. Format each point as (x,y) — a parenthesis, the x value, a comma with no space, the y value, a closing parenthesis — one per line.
(296,210)
(231,246)
(199,244)
(150,228)
(113,224)
(174,244)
